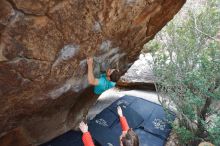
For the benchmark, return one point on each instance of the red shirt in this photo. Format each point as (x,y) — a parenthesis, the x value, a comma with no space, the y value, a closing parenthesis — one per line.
(124,124)
(87,139)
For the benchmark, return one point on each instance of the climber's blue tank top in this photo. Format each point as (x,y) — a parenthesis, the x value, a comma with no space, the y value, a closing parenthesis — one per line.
(103,85)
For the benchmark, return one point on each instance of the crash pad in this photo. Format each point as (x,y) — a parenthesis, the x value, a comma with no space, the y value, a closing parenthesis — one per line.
(106,128)
(149,120)
(70,138)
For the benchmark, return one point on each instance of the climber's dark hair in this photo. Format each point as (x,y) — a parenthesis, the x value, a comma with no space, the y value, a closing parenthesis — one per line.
(130,139)
(115,76)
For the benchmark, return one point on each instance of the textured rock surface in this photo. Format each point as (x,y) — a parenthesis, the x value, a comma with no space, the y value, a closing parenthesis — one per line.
(139,75)
(43,46)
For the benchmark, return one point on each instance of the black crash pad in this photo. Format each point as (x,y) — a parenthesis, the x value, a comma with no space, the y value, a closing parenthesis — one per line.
(156,120)
(149,121)
(103,135)
(148,139)
(70,138)
(106,128)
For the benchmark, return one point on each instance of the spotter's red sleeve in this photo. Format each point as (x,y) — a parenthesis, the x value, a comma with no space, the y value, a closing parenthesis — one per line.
(87,139)
(124,124)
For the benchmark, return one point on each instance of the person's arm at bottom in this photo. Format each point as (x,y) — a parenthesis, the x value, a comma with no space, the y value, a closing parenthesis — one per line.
(124,124)
(123,121)
(87,139)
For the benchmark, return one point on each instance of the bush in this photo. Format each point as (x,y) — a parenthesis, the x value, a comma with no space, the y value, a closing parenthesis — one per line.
(187,70)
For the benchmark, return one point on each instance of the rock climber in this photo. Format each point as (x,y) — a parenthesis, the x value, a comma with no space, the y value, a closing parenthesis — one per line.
(127,138)
(106,81)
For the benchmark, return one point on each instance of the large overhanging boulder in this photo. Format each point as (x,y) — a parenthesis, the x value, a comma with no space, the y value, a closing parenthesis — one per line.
(43,50)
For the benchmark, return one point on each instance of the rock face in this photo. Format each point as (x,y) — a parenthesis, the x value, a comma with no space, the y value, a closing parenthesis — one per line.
(43,50)
(139,75)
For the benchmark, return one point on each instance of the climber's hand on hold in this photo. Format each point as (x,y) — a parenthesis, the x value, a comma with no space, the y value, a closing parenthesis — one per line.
(90,60)
(83,127)
(119,111)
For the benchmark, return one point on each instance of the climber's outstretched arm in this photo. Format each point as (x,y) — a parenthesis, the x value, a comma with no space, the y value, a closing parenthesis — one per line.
(92,80)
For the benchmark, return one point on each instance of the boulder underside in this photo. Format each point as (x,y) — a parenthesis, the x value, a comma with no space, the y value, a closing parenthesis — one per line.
(43,48)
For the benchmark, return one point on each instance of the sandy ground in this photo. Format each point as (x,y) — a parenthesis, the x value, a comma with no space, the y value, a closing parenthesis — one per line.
(111,95)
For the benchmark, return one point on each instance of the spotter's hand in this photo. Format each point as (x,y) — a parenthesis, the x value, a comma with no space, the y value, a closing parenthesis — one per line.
(83,127)
(119,111)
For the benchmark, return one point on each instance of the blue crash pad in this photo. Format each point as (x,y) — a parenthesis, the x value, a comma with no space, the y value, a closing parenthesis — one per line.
(106,128)
(103,135)
(156,121)
(149,121)
(145,117)
(70,138)
(147,139)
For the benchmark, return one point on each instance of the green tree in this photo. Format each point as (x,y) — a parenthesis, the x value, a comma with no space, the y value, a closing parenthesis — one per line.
(186,64)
